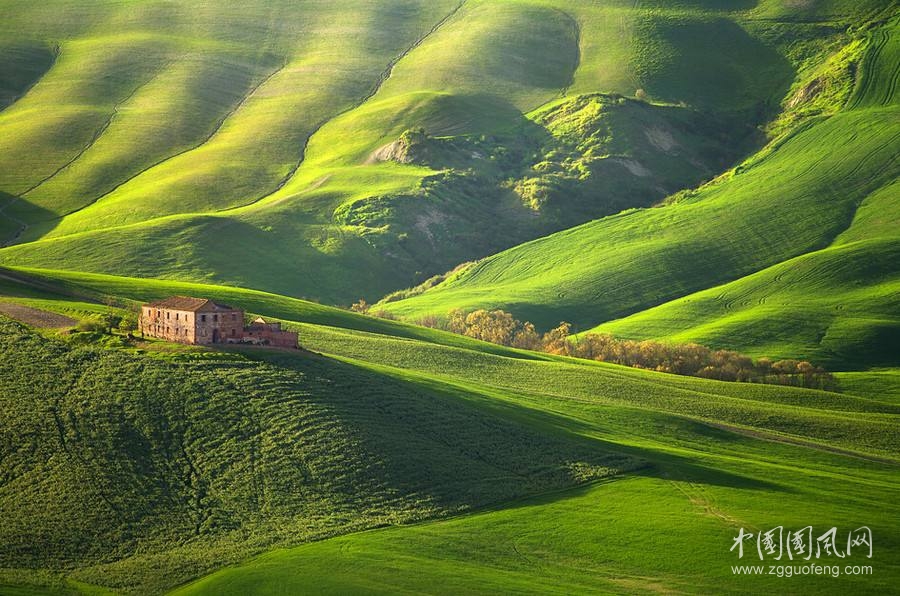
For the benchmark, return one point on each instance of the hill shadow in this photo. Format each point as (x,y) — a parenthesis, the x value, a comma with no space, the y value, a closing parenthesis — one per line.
(16,215)
(545,440)
(22,65)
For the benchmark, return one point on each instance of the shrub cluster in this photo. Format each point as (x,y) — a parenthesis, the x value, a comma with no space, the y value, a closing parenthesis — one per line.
(500,327)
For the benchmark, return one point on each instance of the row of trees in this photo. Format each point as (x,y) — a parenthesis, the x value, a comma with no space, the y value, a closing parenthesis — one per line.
(502,328)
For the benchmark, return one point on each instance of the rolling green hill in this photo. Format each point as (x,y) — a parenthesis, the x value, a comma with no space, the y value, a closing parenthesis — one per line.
(713,171)
(807,229)
(838,306)
(131,465)
(169,467)
(266,149)
(144,470)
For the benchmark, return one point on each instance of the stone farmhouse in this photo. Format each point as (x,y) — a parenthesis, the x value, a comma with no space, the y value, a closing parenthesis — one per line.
(201,321)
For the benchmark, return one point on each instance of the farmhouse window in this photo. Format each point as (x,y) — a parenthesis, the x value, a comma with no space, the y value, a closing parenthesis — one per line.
(215,317)
(203,318)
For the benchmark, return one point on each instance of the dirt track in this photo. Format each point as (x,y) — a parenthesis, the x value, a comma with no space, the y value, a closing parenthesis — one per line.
(35,317)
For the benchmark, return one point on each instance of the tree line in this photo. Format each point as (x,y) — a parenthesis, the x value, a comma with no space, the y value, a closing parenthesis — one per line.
(500,327)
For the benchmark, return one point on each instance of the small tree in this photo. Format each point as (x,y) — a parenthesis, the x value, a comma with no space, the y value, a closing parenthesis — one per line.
(360,306)
(555,341)
(111,320)
(91,325)
(431,321)
(129,323)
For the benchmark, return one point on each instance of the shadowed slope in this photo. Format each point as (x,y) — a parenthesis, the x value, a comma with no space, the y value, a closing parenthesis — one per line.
(796,197)
(183,466)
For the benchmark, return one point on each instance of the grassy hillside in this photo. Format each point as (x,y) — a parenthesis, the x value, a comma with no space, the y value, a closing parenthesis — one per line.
(713,171)
(188,465)
(217,135)
(830,183)
(249,450)
(838,306)
(564,544)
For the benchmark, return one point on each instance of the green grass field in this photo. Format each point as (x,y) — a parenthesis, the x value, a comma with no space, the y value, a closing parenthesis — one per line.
(805,233)
(709,457)
(217,133)
(710,171)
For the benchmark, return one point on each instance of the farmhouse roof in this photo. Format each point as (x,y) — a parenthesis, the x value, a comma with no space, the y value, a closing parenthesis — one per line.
(189,304)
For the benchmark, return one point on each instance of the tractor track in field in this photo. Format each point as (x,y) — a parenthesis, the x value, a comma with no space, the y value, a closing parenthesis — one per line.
(700,498)
(382,79)
(796,441)
(94,138)
(876,44)
(216,128)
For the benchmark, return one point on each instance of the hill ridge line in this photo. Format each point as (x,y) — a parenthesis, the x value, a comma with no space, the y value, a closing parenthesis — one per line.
(218,126)
(382,79)
(94,138)
(576,64)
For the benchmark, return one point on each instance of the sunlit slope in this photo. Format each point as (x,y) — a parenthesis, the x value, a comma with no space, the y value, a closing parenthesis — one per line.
(205,461)
(796,199)
(624,537)
(70,105)
(838,306)
(23,65)
(797,196)
(463,70)
(439,65)
(281,69)
(215,455)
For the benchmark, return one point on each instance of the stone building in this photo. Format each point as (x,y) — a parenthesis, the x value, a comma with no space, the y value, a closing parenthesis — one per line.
(192,321)
(201,321)
(261,331)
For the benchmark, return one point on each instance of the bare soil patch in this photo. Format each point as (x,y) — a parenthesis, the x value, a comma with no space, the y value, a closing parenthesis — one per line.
(35,316)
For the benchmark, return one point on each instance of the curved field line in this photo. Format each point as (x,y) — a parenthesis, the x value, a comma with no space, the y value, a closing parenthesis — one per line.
(576,63)
(216,128)
(892,85)
(382,79)
(96,136)
(876,44)
(23,226)
(774,437)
